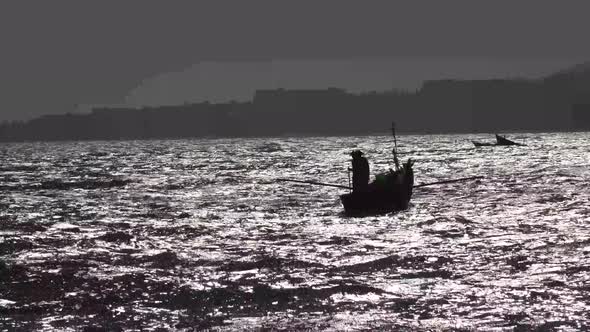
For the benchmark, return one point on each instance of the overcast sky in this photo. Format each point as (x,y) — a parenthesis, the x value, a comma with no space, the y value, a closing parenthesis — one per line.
(57,54)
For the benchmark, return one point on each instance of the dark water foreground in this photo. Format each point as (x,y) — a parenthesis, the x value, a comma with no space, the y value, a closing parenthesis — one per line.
(182,235)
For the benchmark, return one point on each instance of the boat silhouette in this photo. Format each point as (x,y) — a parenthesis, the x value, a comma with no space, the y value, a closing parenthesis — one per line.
(500,141)
(389,192)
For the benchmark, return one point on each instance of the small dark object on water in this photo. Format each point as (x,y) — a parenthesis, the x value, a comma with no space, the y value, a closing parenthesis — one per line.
(85,184)
(116,237)
(4,270)
(500,141)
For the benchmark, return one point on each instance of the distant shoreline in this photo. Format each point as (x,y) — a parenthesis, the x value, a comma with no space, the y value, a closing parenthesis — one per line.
(557,103)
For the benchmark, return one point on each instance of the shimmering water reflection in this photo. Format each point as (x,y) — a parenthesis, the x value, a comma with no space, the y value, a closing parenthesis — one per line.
(196,233)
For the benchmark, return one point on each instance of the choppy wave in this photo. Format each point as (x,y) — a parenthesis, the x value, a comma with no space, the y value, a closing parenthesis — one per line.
(197,234)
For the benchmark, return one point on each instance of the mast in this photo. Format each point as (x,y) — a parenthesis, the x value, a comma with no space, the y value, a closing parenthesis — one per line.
(395,160)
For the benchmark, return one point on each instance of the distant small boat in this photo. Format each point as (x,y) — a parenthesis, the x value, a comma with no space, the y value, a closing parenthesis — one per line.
(389,192)
(500,141)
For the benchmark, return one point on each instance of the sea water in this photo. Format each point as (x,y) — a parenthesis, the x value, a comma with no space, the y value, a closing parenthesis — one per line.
(183,234)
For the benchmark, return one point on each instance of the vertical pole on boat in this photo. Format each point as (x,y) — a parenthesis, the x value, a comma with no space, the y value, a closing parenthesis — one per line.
(395,146)
(349,184)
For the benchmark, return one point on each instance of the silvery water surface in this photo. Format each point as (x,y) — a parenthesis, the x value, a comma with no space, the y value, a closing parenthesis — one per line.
(203,237)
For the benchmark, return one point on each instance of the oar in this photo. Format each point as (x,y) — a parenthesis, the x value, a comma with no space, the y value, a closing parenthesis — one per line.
(448,181)
(347,187)
(316,183)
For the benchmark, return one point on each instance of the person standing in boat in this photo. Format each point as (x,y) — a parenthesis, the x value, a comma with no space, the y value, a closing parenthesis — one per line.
(360,171)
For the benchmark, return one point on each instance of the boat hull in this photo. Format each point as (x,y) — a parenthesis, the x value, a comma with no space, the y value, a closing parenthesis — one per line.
(500,142)
(366,204)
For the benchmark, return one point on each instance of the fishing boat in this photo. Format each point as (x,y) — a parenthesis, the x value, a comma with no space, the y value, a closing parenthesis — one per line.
(500,141)
(389,192)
